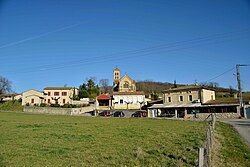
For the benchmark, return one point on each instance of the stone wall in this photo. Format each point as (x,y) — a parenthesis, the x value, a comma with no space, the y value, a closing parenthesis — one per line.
(58,111)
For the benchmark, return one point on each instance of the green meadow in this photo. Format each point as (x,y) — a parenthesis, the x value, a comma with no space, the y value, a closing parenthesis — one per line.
(49,140)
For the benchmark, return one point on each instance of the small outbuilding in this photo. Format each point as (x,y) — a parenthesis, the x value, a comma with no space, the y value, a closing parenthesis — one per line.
(103,101)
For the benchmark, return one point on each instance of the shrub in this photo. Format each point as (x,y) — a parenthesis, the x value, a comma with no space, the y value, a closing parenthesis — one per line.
(55,105)
(42,105)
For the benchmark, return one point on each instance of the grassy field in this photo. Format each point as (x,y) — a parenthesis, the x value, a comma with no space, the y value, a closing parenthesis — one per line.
(46,140)
(229,148)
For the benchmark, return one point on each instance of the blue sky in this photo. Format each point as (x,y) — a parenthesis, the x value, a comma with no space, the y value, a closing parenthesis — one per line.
(53,43)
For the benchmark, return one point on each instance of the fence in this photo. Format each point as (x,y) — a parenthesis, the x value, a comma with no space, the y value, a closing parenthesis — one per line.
(205,152)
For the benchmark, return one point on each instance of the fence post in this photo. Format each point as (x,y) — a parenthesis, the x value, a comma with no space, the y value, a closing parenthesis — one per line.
(213,120)
(201,157)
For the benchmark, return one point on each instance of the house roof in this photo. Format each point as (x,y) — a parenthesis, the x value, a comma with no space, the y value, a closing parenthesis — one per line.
(9,95)
(125,75)
(228,101)
(58,88)
(103,97)
(32,90)
(185,88)
(192,105)
(128,93)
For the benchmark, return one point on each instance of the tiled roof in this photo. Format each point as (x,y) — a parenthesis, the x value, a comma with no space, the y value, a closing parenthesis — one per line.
(184,88)
(103,97)
(9,95)
(116,69)
(128,93)
(58,88)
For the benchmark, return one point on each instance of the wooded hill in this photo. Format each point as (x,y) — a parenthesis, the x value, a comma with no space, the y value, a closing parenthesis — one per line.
(151,87)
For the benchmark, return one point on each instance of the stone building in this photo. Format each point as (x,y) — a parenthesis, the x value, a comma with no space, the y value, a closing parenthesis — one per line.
(125,95)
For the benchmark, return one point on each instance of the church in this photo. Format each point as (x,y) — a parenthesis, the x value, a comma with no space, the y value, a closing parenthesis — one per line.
(124,84)
(125,95)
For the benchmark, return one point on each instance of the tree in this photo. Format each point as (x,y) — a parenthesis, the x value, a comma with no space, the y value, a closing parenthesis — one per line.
(90,84)
(175,85)
(104,85)
(89,89)
(5,85)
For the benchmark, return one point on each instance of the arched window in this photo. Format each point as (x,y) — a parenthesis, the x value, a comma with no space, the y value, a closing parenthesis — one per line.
(126,85)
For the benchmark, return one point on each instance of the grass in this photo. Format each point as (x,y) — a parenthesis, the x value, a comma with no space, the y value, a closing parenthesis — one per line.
(229,148)
(11,106)
(48,140)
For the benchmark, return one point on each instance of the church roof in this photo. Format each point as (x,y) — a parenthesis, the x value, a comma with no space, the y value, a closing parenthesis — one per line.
(116,69)
(125,75)
(128,93)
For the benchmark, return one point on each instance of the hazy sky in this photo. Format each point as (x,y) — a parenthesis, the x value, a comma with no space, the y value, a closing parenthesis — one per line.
(57,42)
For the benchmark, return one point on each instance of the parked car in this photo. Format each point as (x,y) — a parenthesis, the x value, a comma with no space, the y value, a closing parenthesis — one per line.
(140,114)
(118,114)
(105,114)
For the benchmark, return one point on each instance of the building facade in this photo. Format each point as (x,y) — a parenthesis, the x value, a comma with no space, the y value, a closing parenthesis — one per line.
(32,97)
(188,94)
(59,95)
(125,95)
(124,84)
(193,101)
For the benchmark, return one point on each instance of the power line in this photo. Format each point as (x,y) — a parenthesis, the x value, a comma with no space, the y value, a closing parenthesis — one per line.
(38,36)
(220,75)
(141,52)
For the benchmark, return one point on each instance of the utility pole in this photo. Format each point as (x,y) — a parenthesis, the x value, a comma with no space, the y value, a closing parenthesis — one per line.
(242,112)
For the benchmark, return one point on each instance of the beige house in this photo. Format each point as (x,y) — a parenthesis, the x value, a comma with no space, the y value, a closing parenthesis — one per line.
(188,94)
(32,97)
(192,101)
(59,95)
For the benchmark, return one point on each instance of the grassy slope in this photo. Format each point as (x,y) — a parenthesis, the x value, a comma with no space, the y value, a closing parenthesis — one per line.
(11,106)
(45,140)
(231,151)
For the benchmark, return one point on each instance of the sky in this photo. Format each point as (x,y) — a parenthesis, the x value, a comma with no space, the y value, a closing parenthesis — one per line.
(61,42)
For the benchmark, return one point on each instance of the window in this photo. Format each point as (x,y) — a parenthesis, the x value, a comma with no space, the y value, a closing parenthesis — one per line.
(48,93)
(64,100)
(48,101)
(32,101)
(190,97)
(56,93)
(181,98)
(56,101)
(125,85)
(121,101)
(64,93)
(169,99)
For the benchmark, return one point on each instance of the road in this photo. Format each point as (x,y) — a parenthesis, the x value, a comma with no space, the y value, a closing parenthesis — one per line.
(242,126)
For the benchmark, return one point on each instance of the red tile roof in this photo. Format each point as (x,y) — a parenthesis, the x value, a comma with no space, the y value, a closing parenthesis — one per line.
(103,97)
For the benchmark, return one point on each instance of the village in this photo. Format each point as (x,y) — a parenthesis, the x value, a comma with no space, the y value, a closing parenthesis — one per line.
(189,101)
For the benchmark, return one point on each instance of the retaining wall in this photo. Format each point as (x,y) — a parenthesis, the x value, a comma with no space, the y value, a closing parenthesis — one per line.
(58,111)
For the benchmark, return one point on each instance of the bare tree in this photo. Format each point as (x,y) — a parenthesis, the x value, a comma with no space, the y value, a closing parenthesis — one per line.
(104,85)
(5,85)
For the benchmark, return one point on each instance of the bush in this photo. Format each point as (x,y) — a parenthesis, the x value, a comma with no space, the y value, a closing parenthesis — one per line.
(55,105)
(69,106)
(42,105)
